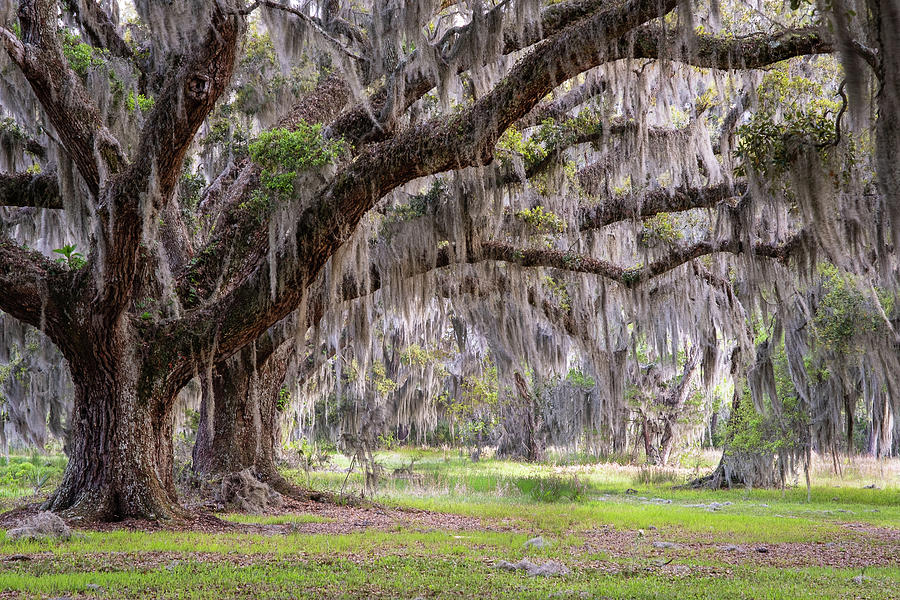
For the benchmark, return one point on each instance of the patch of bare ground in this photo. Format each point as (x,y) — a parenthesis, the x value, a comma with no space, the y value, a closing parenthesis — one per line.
(857,545)
(12,518)
(348,519)
(336,519)
(863,546)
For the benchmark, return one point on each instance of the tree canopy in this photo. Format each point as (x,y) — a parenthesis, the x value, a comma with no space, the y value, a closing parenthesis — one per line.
(410,208)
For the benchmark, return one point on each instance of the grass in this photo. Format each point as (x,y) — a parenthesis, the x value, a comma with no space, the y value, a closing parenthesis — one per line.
(572,508)
(410,577)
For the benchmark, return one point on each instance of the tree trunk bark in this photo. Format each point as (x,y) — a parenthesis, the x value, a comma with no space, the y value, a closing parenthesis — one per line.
(121,454)
(677,402)
(239,416)
(729,471)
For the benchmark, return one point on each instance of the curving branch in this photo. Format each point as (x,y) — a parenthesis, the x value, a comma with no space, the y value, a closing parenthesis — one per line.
(718,52)
(614,128)
(634,276)
(622,208)
(220,263)
(147,187)
(274,286)
(465,139)
(321,28)
(411,81)
(26,189)
(186,99)
(557,110)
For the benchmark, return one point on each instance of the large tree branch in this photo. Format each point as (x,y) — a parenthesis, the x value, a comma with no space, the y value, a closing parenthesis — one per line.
(557,109)
(135,198)
(33,290)
(186,99)
(573,10)
(634,276)
(239,241)
(26,189)
(463,140)
(717,52)
(72,112)
(412,81)
(622,208)
(357,126)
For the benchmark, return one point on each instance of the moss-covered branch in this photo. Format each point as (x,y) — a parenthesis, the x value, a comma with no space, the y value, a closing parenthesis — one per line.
(61,93)
(622,208)
(40,190)
(465,139)
(35,290)
(720,52)
(633,276)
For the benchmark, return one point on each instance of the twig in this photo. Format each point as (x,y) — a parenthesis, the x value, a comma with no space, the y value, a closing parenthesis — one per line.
(349,470)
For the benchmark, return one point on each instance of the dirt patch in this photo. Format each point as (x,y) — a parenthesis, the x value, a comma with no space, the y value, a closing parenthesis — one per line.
(338,519)
(12,518)
(877,547)
(200,522)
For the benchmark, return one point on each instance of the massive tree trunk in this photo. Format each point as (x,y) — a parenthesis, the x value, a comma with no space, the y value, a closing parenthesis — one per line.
(239,416)
(121,454)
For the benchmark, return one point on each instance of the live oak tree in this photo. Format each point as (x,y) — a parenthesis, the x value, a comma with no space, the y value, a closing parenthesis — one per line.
(221,275)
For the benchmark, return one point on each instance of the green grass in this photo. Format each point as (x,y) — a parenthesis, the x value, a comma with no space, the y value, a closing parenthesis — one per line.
(409,577)
(413,559)
(502,490)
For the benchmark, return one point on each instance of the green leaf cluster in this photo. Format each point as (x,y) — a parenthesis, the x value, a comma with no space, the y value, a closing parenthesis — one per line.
(844,313)
(418,205)
(530,149)
(70,257)
(792,113)
(139,101)
(80,56)
(659,229)
(383,384)
(283,153)
(579,378)
(283,400)
(543,220)
(560,292)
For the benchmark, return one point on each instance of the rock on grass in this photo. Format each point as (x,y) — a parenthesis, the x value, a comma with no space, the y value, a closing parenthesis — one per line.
(547,569)
(43,525)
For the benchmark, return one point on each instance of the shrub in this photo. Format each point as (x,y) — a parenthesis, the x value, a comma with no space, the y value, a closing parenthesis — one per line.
(552,489)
